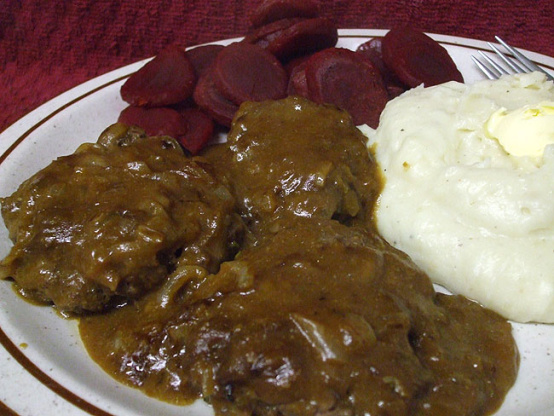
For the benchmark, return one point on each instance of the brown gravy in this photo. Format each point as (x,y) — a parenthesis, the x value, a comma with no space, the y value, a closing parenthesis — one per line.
(315,315)
(112,220)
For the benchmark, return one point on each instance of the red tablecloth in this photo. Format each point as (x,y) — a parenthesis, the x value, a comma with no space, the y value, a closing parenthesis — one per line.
(49,47)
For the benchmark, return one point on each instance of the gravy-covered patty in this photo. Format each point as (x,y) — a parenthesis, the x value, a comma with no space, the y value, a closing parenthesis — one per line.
(320,319)
(316,316)
(293,157)
(113,219)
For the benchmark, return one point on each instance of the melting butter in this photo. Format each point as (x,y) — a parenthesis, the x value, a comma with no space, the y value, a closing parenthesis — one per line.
(525,131)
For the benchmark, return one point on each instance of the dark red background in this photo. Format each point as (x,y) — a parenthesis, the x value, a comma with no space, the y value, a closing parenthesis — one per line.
(47,47)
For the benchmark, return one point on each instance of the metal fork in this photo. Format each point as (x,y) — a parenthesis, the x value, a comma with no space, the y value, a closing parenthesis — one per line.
(517,63)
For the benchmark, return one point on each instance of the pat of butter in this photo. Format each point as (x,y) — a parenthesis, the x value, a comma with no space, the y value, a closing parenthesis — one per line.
(525,131)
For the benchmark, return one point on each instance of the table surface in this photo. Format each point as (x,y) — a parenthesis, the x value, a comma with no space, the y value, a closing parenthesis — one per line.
(47,48)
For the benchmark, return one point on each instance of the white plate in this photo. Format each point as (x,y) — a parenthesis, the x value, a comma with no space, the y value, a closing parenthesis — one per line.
(44,369)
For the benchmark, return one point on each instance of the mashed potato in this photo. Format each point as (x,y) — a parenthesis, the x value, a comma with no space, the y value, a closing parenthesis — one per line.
(471,211)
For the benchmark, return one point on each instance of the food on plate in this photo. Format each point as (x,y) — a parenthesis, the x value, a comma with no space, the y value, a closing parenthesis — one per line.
(341,77)
(262,36)
(208,98)
(215,79)
(468,189)
(298,84)
(274,59)
(200,130)
(294,157)
(535,122)
(317,314)
(110,221)
(292,56)
(192,128)
(413,58)
(320,318)
(168,78)
(156,121)
(416,58)
(201,57)
(291,38)
(373,50)
(269,11)
(244,72)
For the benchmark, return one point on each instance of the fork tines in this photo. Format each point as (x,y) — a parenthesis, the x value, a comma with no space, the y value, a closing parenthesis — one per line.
(516,63)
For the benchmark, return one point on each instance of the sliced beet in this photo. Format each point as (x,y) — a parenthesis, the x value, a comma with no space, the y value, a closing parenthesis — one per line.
(418,59)
(343,78)
(245,72)
(272,10)
(395,90)
(293,63)
(200,129)
(202,57)
(304,37)
(209,99)
(167,79)
(160,121)
(264,35)
(372,50)
(297,81)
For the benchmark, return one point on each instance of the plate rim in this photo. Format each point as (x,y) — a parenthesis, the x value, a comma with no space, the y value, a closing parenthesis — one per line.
(15,134)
